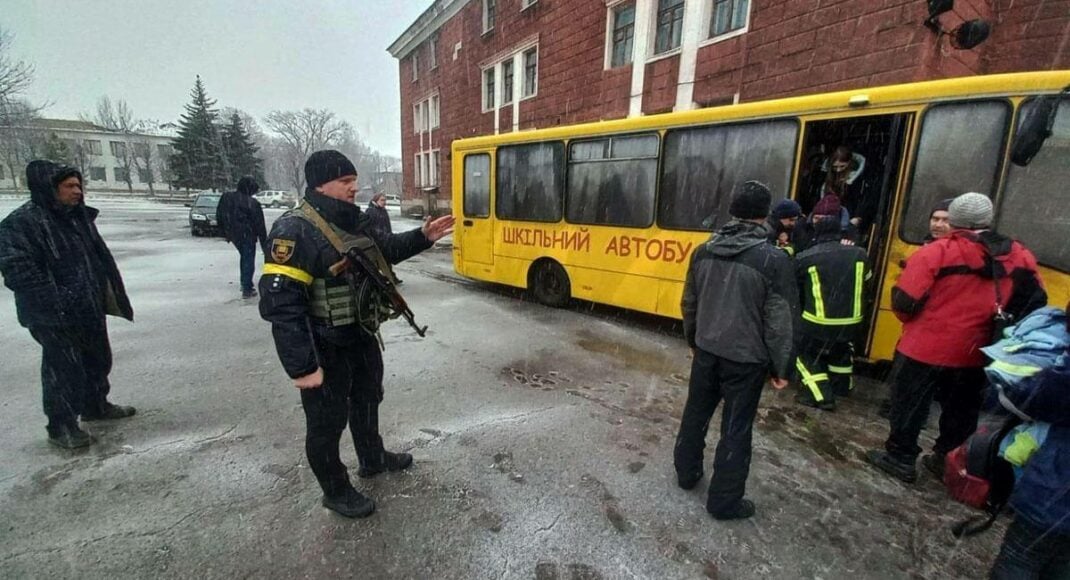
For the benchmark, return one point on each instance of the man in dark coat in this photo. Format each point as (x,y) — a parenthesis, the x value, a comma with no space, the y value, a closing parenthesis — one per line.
(740,305)
(65,282)
(378,216)
(241,219)
(324,345)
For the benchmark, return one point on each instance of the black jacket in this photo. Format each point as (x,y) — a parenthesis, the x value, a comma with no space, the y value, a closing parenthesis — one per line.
(740,301)
(380,220)
(55,261)
(831,279)
(241,218)
(305,254)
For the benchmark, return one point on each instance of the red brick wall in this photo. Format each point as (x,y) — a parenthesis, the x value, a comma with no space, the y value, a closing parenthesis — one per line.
(792,47)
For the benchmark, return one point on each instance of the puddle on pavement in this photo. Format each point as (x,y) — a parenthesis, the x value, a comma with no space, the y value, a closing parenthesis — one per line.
(630,357)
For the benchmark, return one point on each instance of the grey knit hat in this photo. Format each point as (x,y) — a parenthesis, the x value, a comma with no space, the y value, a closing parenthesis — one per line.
(971,211)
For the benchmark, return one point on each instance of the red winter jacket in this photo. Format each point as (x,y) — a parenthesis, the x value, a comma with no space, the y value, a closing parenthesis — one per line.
(946,296)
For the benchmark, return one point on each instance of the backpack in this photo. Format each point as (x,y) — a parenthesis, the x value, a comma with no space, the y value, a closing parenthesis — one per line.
(977,476)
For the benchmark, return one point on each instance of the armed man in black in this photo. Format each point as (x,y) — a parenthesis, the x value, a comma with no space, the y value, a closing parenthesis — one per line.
(318,306)
(831,278)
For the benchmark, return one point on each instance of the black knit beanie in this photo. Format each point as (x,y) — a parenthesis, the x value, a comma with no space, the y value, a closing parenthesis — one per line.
(327,165)
(751,201)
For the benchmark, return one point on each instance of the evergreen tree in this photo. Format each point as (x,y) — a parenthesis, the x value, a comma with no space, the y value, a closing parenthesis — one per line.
(198,161)
(241,152)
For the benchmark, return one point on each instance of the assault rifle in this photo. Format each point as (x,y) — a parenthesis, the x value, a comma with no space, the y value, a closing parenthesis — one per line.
(356,257)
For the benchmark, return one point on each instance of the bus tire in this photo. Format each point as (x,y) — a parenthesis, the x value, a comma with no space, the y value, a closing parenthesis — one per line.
(549,284)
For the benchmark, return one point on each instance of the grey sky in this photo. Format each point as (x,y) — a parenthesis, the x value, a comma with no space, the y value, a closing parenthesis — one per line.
(256,56)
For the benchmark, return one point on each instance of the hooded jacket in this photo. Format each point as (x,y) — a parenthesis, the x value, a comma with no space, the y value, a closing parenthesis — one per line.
(54,260)
(946,296)
(740,300)
(301,254)
(240,216)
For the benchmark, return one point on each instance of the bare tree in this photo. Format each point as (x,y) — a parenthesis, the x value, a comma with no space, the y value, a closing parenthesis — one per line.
(302,133)
(15,75)
(20,138)
(118,117)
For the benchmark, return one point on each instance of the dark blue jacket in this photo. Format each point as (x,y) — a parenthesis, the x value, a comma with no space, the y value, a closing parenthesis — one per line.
(1042,495)
(55,261)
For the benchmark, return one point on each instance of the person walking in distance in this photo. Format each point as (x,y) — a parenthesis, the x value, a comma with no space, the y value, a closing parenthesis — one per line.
(242,220)
(740,305)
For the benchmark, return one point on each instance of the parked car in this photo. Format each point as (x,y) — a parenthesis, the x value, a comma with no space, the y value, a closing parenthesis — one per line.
(275,198)
(202,220)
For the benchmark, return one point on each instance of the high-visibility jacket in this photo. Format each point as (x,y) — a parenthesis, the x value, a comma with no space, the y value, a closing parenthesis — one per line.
(831,278)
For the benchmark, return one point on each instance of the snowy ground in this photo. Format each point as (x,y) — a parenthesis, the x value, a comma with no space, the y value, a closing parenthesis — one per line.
(543,442)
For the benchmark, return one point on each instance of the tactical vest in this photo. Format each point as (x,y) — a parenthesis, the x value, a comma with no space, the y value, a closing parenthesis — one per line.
(334,300)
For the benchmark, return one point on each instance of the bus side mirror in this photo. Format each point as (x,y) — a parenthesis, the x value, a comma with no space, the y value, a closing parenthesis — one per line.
(1035,129)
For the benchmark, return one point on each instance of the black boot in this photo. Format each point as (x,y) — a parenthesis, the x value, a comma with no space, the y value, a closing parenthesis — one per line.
(825,405)
(351,504)
(882,460)
(741,511)
(386,461)
(109,412)
(934,464)
(69,437)
(688,481)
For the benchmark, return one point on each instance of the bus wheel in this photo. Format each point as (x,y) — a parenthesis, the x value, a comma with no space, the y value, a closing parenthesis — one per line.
(549,283)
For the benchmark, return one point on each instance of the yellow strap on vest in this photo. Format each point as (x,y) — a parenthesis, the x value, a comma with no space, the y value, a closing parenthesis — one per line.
(290,272)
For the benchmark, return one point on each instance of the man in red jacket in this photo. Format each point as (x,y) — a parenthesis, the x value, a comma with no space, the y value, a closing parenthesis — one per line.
(947,298)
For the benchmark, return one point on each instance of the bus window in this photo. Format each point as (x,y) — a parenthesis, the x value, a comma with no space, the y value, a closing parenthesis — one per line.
(531,179)
(702,167)
(477,185)
(611,181)
(1034,209)
(959,151)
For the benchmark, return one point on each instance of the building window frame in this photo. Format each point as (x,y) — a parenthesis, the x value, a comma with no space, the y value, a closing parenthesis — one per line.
(612,13)
(530,87)
(709,14)
(525,4)
(675,14)
(490,15)
(488,88)
(414,62)
(508,80)
(432,53)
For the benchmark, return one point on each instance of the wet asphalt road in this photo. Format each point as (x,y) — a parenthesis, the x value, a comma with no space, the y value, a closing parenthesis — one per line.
(543,442)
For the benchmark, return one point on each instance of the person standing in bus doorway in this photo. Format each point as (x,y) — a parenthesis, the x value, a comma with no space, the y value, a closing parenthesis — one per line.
(740,305)
(781,225)
(831,277)
(241,219)
(333,360)
(947,298)
(939,221)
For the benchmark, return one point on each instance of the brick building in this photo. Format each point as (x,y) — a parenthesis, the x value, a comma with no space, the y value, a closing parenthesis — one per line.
(478,67)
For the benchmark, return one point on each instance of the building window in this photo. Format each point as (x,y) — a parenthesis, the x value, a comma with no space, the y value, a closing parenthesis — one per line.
(144,175)
(416,167)
(488,89)
(118,149)
(434,167)
(489,7)
(507,82)
(97,173)
(94,147)
(432,53)
(531,71)
(415,66)
(670,25)
(165,151)
(1,172)
(728,16)
(623,35)
(527,3)
(122,174)
(435,114)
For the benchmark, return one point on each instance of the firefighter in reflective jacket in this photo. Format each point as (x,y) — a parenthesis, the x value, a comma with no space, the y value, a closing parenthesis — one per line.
(831,277)
(324,338)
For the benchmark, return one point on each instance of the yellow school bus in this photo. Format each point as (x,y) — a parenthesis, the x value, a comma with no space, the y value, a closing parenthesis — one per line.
(610,212)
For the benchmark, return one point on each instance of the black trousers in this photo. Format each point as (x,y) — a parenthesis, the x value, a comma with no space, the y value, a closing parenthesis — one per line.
(351,392)
(75,363)
(246,264)
(825,368)
(1030,552)
(960,392)
(714,379)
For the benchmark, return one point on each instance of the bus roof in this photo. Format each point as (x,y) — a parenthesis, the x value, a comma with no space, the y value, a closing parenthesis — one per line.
(893,95)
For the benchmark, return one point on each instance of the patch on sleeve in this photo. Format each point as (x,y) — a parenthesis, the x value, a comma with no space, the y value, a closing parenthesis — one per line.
(282,250)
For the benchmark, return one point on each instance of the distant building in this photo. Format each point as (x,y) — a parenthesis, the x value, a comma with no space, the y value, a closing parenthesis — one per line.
(480,67)
(110,161)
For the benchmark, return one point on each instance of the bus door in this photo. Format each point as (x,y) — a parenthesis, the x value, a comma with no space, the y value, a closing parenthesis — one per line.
(476,230)
(874,147)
